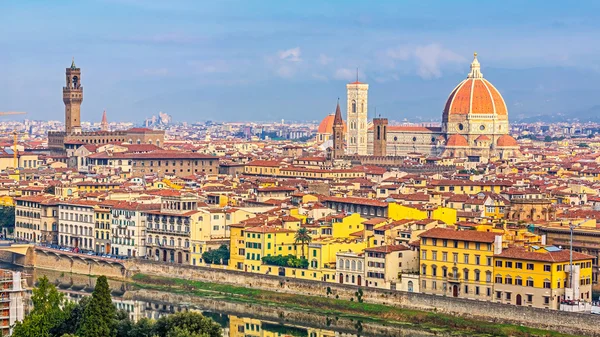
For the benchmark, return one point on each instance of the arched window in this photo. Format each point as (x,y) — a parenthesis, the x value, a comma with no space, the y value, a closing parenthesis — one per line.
(360,266)
(341,264)
(353,265)
(410,286)
(353,106)
(347,264)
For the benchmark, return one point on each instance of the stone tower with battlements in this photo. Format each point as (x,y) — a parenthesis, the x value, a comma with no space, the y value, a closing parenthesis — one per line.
(357,94)
(72,97)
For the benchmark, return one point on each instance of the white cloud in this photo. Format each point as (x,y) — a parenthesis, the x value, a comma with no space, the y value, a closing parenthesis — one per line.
(429,59)
(324,59)
(291,55)
(432,57)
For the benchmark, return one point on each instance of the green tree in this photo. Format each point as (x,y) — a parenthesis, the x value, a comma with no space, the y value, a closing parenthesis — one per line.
(7,216)
(303,238)
(73,321)
(49,311)
(143,328)
(99,317)
(217,256)
(547,139)
(186,324)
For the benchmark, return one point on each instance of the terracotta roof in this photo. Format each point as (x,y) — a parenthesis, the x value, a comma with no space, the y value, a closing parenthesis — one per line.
(464,235)
(507,141)
(457,140)
(357,201)
(558,256)
(475,95)
(267,163)
(268,229)
(387,249)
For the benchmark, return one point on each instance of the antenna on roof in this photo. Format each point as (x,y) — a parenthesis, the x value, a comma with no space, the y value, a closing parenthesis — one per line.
(356,74)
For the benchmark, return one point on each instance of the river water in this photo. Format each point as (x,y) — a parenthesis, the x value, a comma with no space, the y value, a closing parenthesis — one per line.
(237,320)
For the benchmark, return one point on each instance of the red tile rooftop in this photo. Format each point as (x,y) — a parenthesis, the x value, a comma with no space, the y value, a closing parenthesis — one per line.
(559,256)
(387,249)
(463,235)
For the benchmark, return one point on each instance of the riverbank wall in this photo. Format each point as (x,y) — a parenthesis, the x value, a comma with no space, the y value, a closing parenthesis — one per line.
(566,322)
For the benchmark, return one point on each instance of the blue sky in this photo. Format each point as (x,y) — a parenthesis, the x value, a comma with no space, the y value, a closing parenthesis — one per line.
(267,60)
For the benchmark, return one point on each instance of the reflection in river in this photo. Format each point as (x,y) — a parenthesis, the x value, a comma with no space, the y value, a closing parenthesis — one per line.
(76,287)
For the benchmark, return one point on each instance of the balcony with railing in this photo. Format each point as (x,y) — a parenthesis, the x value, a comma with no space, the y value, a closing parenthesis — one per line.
(453,277)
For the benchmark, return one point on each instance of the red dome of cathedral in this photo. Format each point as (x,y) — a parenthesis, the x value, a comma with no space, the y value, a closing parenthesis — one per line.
(457,141)
(506,141)
(475,95)
(326,125)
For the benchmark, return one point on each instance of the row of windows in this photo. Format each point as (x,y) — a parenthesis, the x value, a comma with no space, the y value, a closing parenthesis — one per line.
(547,267)
(174,163)
(76,230)
(350,265)
(476,289)
(27,214)
(528,297)
(171,228)
(171,241)
(375,275)
(455,274)
(455,258)
(456,243)
(76,217)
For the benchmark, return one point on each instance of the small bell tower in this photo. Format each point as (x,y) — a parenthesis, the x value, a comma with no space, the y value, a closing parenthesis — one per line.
(338,133)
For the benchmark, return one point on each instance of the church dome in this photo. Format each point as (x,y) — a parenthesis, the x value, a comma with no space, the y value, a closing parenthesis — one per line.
(457,141)
(326,125)
(506,141)
(475,95)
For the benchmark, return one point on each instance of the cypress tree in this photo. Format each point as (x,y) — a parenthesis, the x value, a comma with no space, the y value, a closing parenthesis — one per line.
(99,317)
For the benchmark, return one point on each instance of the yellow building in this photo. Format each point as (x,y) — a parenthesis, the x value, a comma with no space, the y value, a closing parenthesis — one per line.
(457,263)
(211,228)
(401,212)
(249,244)
(264,241)
(540,278)
(468,186)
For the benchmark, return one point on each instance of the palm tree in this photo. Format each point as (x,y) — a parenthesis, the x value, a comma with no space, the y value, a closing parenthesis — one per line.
(303,238)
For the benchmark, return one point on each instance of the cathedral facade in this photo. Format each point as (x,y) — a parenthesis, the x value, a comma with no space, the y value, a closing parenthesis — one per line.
(474,125)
